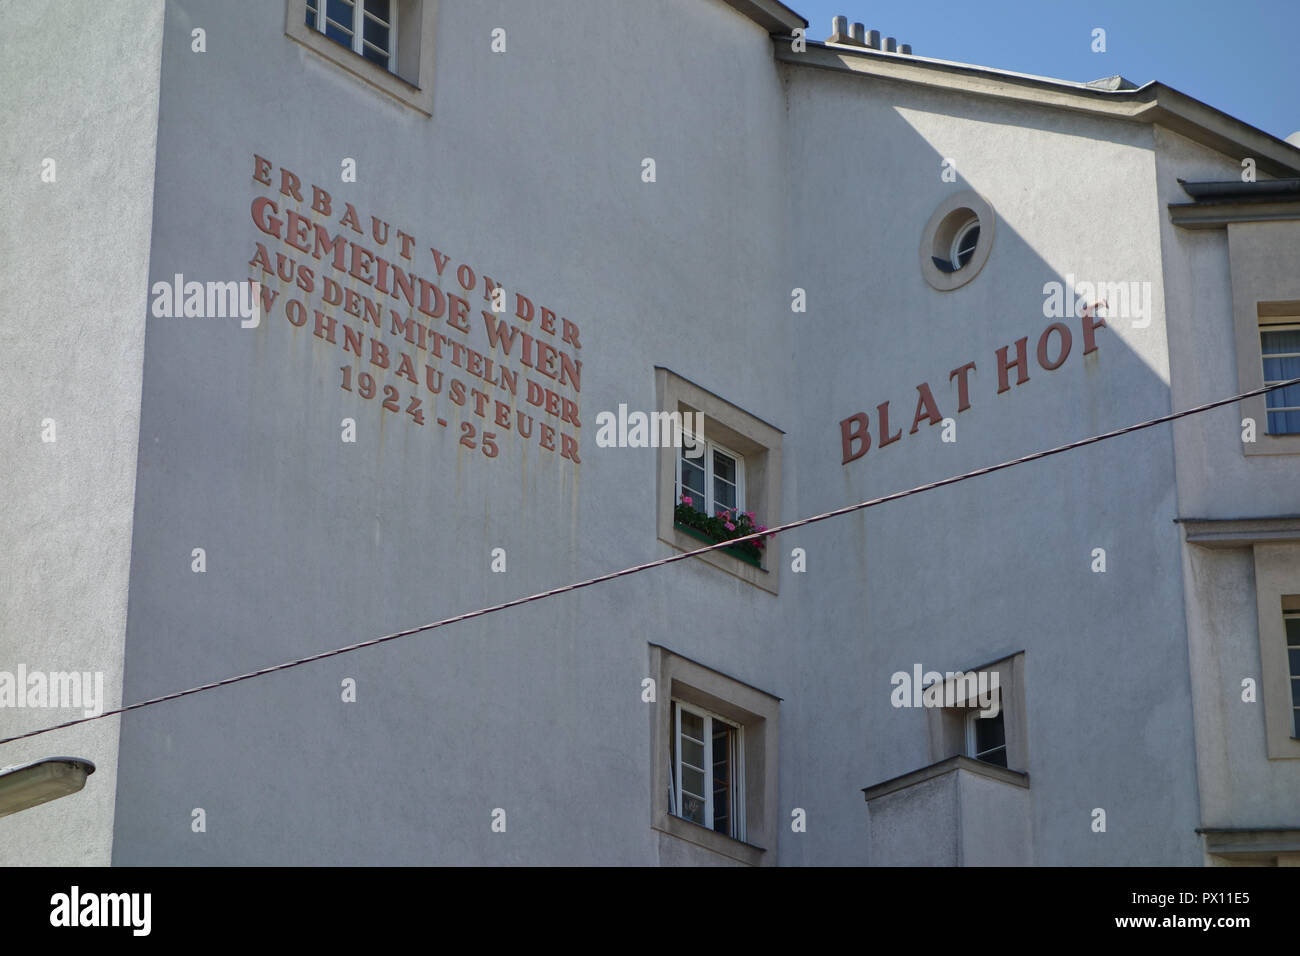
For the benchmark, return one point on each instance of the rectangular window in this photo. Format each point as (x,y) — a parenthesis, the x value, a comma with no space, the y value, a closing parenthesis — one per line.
(366,27)
(1291,622)
(714,481)
(1280,348)
(706,770)
(986,738)
(736,468)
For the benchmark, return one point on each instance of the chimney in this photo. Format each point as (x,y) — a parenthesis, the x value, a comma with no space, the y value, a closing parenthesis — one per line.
(856,34)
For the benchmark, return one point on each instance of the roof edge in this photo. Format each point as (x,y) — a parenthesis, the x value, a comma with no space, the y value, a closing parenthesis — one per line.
(772,15)
(1153,103)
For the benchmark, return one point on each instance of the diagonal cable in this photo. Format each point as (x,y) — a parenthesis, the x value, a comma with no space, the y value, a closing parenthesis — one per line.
(600,579)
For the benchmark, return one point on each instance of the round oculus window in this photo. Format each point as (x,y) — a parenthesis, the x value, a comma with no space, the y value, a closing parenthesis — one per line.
(956,241)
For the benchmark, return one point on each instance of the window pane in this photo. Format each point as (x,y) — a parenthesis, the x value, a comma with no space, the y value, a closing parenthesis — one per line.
(692,724)
(311,13)
(338,23)
(724,467)
(1284,423)
(724,496)
(375,33)
(692,795)
(1282,370)
(990,733)
(1295,691)
(692,753)
(1293,630)
(997,757)
(1294,654)
(693,482)
(966,248)
(722,777)
(1273,342)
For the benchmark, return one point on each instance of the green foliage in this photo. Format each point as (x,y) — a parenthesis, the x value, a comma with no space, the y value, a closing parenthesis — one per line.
(725,526)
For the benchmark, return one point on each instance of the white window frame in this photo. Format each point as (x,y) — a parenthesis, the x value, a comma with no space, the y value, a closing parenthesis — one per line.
(736,759)
(739,459)
(1275,327)
(954,253)
(359,14)
(1291,674)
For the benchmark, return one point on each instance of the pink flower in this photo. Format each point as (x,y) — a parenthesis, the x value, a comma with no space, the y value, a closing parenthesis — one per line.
(686,499)
(749,515)
(730,526)
(761,527)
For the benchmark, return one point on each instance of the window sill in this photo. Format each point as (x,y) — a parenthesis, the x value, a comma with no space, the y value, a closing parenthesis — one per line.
(1266,444)
(711,840)
(721,559)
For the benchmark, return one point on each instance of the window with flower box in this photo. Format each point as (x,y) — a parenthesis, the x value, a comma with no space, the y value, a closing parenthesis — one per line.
(711,499)
(731,476)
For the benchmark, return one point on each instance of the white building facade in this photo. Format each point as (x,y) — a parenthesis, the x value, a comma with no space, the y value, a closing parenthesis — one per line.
(487,240)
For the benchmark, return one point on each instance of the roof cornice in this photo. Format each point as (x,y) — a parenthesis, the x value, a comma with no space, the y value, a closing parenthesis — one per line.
(772,15)
(1152,103)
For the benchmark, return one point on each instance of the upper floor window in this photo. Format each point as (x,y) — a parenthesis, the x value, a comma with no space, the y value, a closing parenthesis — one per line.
(731,467)
(958,726)
(986,737)
(1280,349)
(956,241)
(367,27)
(714,481)
(387,44)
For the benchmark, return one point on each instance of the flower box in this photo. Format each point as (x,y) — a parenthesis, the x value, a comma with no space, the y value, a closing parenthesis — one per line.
(734,551)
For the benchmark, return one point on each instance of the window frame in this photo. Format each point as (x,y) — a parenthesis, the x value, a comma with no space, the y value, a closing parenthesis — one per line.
(709,446)
(1264,329)
(736,762)
(972,736)
(1292,614)
(1277,592)
(954,253)
(410,73)
(738,433)
(950,220)
(756,714)
(949,728)
(359,41)
(1252,316)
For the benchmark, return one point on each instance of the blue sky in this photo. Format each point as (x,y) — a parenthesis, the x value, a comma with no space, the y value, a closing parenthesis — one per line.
(1240,56)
